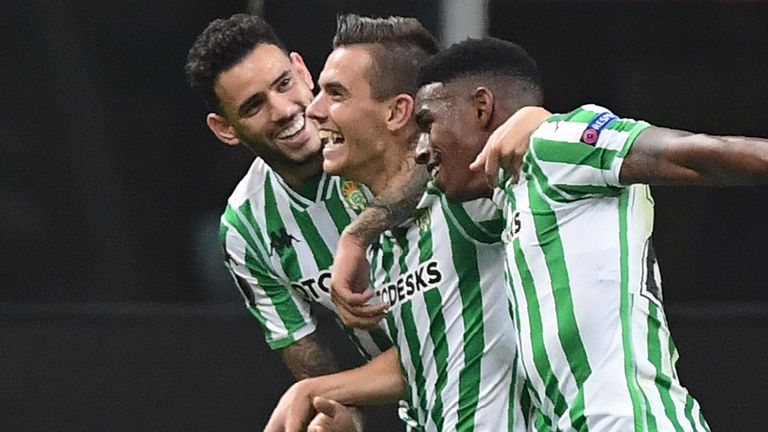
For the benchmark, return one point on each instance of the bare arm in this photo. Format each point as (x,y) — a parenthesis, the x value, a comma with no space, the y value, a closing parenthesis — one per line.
(349,275)
(393,205)
(309,357)
(379,381)
(669,156)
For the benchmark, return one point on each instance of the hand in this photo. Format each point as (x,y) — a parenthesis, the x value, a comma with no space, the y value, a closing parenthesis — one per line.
(335,417)
(508,144)
(349,286)
(293,411)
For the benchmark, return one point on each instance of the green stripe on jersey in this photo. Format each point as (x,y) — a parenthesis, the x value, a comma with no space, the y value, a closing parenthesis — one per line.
(414,351)
(625,313)
(574,153)
(275,226)
(540,356)
(338,211)
(465,261)
(320,251)
(280,298)
(437,332)
(663,381)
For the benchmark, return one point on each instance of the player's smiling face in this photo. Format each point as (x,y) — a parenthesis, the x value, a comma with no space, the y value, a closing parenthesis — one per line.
(450,140)
(263,99)
(351,120)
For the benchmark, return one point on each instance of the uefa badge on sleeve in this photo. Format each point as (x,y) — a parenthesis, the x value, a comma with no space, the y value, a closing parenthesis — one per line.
(592,133)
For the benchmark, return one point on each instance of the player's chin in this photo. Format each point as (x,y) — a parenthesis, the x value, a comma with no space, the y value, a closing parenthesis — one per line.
(333,167)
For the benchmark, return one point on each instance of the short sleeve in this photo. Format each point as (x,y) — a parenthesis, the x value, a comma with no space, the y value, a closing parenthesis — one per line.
(579,154)
(284,315)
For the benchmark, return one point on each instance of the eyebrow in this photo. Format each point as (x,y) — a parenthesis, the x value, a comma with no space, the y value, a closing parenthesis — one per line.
(335,86)
(281,77)
(259,97)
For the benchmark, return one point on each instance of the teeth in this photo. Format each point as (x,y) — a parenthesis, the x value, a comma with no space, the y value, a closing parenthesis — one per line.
(327,137)
(295,127)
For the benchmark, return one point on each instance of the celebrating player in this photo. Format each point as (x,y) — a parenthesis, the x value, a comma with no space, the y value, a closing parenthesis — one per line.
(440,273)
(593,337)
(283,220)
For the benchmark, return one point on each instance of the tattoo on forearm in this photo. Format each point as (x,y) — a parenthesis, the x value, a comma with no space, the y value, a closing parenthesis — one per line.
(392,206)
(308,357)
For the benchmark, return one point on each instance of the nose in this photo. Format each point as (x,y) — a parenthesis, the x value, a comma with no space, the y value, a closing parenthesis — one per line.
(282,108)
(317,109)
(422,149)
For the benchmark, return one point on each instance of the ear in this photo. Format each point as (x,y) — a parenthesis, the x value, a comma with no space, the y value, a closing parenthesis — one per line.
(301,68)
(482,103)
(222,129)
(399,112)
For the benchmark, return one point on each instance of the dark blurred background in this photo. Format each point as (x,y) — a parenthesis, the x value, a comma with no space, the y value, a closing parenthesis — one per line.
(116,313)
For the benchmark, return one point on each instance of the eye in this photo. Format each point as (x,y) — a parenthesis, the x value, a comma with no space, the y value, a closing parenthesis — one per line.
(284,85)
(252,108)
(335,96)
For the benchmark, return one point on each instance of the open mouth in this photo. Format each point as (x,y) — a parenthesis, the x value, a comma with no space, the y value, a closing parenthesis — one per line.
(433,166)
(293,129)
(328,137)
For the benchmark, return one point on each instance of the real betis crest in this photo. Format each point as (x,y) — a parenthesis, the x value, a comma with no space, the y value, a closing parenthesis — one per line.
(423,219)
(353,196)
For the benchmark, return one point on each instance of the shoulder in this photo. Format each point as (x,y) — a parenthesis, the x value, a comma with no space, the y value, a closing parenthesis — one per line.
(252,183)
(479,220)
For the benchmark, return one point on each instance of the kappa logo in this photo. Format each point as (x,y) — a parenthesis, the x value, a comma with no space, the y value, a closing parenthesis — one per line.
(592,133)
(353,196)
(279,240)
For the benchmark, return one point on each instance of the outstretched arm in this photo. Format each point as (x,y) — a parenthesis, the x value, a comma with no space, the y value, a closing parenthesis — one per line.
(350,272)
(669,156)
(508,143)
(380,381)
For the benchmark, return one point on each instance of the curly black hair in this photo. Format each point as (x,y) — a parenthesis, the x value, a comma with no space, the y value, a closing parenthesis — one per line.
(484,57)
(223,44)
(397,46)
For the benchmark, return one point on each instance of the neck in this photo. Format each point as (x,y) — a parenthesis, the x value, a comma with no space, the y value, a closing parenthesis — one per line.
(296,174)
(387,166)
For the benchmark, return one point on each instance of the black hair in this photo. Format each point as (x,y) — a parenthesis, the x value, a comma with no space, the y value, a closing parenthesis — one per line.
(223,44)
(489,57)
(398,46)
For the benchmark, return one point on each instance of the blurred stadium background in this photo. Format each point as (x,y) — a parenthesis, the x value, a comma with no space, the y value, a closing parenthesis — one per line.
(115,311)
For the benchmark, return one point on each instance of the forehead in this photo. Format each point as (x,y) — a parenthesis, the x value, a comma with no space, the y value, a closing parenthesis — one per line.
(434,98)
(255,72)
(346,65)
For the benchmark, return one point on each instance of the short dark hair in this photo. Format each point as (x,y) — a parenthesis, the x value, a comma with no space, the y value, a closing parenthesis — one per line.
(489,57)
(399,46)
(223,44)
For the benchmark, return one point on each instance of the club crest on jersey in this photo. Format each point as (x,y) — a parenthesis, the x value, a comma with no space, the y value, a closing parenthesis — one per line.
(598,123)
(423,219)
(353,196)
(280,240)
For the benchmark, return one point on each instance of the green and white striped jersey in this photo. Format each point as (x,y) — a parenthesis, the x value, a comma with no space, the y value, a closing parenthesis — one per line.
(593,337)
(279,247)
(442,276)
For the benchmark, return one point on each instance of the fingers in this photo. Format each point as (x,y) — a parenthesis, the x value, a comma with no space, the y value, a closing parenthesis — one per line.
(342,294)
(368,318)
(479,161)
(325,406)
